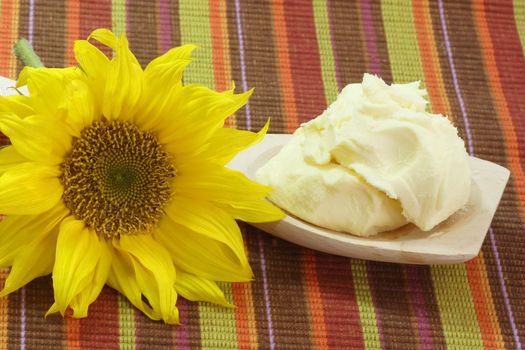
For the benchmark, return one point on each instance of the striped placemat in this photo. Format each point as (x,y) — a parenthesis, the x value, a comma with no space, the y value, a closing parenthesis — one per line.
(298,55)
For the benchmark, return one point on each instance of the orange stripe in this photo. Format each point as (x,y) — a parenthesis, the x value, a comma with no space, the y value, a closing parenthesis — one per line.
(245,313)
(6,42)
(315,302)
(232,121)
(285,72)
(488,323)
(244,316)
(73,29)
(431,67)
(73,332)
(221,49)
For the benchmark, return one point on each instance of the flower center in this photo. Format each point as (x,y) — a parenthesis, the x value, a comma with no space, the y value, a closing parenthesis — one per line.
(117,179)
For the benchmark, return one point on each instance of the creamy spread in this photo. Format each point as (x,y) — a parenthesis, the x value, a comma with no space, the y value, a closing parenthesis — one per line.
(373,161)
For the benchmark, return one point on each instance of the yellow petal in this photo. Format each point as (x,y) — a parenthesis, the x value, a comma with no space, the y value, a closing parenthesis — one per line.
(95,65)
(162,79)
(82,107)
(29,188)
(142,270)
(207,220)
(17,231)
(9,158)
(104,36)
(47,88)
(202,255)
(80,256)
(33,260)
(123,84)
(17,104)
(228,189)
(257,210)
(196,288)
(80,303)
(226,143)
(36,137)
(195,113)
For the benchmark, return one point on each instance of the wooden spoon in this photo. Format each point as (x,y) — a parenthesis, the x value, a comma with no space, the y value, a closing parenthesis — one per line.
(457,239)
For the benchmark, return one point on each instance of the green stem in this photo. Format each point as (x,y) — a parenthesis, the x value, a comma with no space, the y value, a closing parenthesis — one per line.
(25,53)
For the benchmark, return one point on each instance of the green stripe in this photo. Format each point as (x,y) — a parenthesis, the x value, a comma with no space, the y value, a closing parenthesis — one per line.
(322,28)
(126,324)
(195,29)
(215,318)
(519,18)
(456,308)
(365,304)
(452,289)
(118,16)
(400,33)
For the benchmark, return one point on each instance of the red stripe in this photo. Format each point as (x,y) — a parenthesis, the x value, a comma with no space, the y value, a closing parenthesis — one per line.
(341,313)
(95,14)
(101,329)
(304,59)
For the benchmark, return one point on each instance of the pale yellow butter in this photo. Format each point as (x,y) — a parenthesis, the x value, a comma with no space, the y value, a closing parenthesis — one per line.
(373,161)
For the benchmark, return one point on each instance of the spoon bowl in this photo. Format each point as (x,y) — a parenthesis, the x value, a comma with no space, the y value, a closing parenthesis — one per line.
(455,240)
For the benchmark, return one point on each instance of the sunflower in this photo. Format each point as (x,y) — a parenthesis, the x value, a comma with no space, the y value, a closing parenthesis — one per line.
(116,175)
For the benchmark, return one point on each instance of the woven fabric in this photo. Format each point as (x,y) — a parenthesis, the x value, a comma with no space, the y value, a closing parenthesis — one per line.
(298,55)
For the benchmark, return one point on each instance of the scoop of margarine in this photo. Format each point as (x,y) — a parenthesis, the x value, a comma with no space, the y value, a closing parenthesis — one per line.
(371,162)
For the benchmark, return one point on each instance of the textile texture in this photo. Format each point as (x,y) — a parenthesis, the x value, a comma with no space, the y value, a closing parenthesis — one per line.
(298,55)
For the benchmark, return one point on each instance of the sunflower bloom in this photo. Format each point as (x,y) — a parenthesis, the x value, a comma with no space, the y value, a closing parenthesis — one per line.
(116,175)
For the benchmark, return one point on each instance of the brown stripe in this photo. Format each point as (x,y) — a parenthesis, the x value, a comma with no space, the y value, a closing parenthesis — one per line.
(422,278)
(142,30)
(350,52)
(49,32)
(485,127)
(23,24)
(251,237)
(151,334)
(14,320)
(288,299)
(193,326)
(381,43)
(175,23)
(261,67)
(390,300)
(235,60)
(42,332)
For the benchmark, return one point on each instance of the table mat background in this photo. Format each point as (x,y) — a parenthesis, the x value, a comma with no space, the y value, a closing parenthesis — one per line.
(298,55)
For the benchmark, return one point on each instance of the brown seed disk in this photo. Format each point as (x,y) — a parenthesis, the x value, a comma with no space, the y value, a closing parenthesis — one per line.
(117,179)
